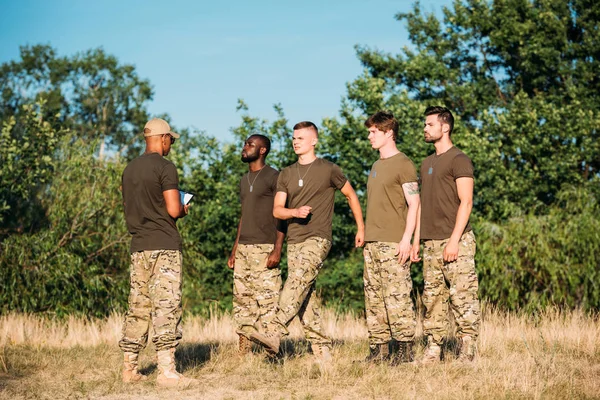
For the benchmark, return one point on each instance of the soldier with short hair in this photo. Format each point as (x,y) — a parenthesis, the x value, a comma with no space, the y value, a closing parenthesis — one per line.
(305,198)
(392,206)
(152,204)
(448,240)
(257,249)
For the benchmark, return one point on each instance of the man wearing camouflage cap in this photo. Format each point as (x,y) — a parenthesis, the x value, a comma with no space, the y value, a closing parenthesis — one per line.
(152,206)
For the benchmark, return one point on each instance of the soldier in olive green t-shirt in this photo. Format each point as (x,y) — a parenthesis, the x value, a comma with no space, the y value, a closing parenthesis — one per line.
(448,241)
(305,198)
(257,249)
(392,206)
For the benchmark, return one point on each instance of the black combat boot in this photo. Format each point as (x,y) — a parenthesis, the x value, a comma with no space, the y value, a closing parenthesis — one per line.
(401,352)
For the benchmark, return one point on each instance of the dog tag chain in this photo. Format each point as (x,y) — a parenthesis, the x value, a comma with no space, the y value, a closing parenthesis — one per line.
(248,177)
(301,179)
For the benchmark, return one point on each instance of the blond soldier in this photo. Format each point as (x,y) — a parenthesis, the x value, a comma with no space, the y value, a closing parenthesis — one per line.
(257,249)
(305,197)
(449,243)
(392,206)
(152,205)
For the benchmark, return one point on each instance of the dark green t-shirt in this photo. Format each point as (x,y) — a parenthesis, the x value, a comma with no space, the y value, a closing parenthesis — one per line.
(258,224)
(439,195)
(320,179)
(386,205)
(150,225)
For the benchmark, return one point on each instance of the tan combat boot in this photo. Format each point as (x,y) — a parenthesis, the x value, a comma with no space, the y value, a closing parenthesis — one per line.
(244,346)
(467,350)
(130,368)
(168,375)
(269,340)
(432,353)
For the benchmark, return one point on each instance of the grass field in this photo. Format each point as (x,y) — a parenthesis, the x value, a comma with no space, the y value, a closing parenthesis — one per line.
(553,355)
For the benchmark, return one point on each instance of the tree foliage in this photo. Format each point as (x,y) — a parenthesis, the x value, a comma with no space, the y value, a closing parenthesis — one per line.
(520,76)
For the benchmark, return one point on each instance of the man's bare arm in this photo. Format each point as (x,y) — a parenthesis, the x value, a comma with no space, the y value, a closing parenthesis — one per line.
(173,202)
(231,260)
(354,204)
(464,187)
(280,212)
(411,194)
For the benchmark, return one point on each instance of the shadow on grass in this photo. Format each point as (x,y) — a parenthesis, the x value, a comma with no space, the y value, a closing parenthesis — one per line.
(188,356)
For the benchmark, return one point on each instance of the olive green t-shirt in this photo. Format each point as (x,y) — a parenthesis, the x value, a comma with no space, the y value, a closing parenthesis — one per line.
(150,225)
(386,205)
(258,224)
(439,195)
(320,179)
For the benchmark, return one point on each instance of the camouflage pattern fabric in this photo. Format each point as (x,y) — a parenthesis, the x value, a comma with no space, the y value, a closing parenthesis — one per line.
(389,307)
(455,282)
(298,296)
(154,297)
(255,288)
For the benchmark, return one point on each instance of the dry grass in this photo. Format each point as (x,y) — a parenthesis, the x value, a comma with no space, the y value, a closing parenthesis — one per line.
(553,355)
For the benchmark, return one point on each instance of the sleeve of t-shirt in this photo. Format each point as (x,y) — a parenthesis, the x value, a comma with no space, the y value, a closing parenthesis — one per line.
(407,172)
(338,179)
(169,179)
(281,183)
(462,167)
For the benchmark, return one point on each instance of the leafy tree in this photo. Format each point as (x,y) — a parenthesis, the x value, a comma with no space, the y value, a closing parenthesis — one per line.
(518,73)
(90,93)
(27,164)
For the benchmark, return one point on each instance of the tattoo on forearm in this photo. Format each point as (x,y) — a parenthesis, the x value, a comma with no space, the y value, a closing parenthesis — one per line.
(412,188)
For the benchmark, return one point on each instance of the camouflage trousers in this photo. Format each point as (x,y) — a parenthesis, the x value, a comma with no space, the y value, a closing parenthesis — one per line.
(389,307)
(154,297)
(454,282)
(255,288)
(298,296)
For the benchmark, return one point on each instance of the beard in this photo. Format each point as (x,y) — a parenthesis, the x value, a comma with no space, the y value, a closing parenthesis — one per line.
(249,157)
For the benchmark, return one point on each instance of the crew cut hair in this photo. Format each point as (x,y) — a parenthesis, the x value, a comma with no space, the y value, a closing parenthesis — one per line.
(265,142)
(384,121)
(444,115)
(306,124)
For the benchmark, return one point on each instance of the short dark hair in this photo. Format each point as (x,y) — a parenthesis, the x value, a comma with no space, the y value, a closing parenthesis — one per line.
(265,141)
(444,115)
(384,121)
(306,124)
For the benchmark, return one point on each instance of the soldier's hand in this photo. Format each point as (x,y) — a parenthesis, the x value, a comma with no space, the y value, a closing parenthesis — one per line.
(414,253)
(359,239)
(231,261)
(451,251)
(403,251)
(274,259)
(302,212)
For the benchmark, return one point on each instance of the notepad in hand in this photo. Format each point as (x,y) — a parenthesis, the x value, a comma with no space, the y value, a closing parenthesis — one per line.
(185,197)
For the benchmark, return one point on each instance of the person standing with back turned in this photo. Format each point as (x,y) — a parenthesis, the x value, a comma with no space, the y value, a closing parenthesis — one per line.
(305,198)
(448,240)
(257,249)
(392,207)
(152,206)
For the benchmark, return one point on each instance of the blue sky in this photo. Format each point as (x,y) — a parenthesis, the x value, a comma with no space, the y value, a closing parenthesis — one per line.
(202,56)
